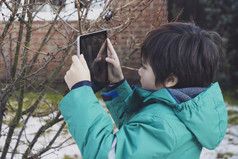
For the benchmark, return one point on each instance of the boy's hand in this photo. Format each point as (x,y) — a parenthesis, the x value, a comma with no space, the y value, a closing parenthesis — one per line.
(114,69)
(78,71)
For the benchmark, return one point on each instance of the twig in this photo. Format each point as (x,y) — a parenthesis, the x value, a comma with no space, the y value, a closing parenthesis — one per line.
(129,21)
(19,40)
(47,62)
(40,131)
(57,14)
(79,16)
(19,136)
(176,18)
(100,17)
(59,146)
(87,11)
(49,146)
(6,66)
(130,68)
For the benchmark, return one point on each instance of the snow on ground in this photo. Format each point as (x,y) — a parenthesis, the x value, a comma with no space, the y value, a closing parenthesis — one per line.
(68,146)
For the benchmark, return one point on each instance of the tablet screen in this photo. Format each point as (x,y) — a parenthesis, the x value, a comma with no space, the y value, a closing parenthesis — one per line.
(93,47)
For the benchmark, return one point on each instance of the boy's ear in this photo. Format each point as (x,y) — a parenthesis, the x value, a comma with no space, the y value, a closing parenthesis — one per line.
(171,81)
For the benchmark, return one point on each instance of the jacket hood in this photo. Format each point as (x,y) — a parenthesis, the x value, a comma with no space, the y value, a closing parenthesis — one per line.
(202,110)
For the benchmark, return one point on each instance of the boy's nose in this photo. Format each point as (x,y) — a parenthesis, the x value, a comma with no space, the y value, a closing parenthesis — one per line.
(139,71)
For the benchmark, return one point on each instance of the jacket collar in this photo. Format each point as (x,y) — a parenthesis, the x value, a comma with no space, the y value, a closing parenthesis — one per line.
(141,97)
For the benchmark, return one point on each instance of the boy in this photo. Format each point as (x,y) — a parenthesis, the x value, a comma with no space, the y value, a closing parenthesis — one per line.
(177,111)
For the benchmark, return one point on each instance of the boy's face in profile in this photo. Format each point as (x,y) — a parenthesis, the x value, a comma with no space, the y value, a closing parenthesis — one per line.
(147,77)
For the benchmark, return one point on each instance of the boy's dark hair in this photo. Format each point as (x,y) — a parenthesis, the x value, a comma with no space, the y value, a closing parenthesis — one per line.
(184,50)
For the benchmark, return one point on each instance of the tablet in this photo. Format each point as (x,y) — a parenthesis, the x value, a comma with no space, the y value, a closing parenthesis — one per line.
(94,48)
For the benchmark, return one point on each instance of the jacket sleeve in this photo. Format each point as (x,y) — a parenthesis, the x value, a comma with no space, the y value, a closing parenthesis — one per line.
(115,102)
(88,122)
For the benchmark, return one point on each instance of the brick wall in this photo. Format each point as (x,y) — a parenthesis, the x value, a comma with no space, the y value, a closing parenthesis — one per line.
(124,42)
(59,36)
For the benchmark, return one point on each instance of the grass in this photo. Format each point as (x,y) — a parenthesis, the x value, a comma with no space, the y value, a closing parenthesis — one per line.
(232,112)
(224,155)
(230,98)
(48,102)
(233,117)
(233,120)
(69,157)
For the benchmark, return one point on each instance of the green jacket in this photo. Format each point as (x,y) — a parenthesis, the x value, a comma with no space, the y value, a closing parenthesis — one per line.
(151,124)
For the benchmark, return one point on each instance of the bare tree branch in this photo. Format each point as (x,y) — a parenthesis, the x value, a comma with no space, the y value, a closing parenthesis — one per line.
(49,146)
(16,59)
(39,132)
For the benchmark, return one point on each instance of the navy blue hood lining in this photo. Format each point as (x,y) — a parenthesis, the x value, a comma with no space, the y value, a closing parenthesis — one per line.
(182,94)
(185,94)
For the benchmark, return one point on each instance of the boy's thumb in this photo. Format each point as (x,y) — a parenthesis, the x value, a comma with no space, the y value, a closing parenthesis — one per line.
(83,61)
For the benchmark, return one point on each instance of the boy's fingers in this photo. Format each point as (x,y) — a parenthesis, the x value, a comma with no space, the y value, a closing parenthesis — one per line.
(111,61)
(102,48)
(109,54)
(111,49)
(75,58)
(98,59)
(76,61)
(83,61)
